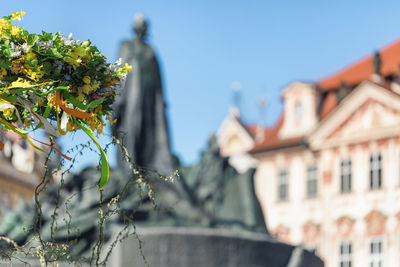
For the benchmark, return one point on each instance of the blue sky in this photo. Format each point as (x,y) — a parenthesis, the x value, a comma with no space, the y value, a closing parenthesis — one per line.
(204,46)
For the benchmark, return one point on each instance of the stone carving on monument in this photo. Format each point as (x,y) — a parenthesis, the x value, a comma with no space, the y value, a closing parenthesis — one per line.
(211,208)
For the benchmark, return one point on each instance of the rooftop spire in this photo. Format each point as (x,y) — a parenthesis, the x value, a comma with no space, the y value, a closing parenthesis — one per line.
(262,105)
(236,87)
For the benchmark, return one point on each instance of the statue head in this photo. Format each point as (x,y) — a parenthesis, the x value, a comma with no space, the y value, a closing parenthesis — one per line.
(140,26)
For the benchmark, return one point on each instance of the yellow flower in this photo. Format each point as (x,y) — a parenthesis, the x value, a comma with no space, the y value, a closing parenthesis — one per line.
(74,57)
(125,69)
(86,43)
(86,79)
(3,22)
(128,67)
(15,30)
(3,72)
(7,109)
(51,101)
(110,119)
(77,52)
(92,121)
(17,15)
(71,126)
(35,75)
(95,86)
(31,55)
(74,62)
(17,66)
(87,88)
(80,97)
(8,113)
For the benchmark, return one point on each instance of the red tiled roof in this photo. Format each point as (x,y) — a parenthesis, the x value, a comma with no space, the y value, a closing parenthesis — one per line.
(329,104)
(351,75)
(363,69)
(271,139)
(252,129)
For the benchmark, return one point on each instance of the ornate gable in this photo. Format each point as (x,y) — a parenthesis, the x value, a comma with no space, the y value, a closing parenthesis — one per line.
(369,112)
(371,116)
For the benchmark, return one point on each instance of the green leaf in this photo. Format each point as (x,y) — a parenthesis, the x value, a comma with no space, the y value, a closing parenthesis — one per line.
(47,112)
(46,36)
(32,39)
(6,34)
(47,67)
(105,170)
(31,61)
(79,104)
(9,97)
(8,18)
(57,72)
(55,53)
(6,52)
(4,63)
(55,36)
(10,78)
(24,32)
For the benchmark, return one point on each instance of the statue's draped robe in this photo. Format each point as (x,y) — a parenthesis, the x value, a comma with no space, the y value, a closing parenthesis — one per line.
(140,110)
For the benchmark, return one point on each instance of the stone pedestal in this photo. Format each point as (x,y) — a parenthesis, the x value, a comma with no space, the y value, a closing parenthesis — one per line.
(196,247)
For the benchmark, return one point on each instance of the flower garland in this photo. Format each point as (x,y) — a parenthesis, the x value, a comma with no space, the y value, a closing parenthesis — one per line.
(56,83)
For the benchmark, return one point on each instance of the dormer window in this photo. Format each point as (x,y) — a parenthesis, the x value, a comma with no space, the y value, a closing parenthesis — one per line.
(298,111)
(300,114)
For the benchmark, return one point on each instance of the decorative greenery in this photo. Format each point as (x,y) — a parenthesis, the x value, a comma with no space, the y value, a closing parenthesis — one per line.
(56,83)
(51,235)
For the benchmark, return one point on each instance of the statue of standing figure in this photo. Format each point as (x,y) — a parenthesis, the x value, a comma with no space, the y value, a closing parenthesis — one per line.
(140,108)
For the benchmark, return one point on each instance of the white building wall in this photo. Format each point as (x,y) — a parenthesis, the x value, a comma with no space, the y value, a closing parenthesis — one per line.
(330,203)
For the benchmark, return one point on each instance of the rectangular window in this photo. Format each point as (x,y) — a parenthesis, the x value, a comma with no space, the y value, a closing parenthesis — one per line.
(312,181)
(283,185)
(375,171)
(345,254)
(345,176)
(376,253)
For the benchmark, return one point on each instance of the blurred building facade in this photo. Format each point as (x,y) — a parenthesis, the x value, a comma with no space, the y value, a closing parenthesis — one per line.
(21,168)
(328,172)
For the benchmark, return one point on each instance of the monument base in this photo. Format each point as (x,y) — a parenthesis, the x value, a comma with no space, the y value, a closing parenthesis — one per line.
(197,247)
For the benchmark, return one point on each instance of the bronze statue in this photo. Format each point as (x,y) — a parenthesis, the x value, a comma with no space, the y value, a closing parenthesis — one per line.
(140,108)
(377,63)
(209,194)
